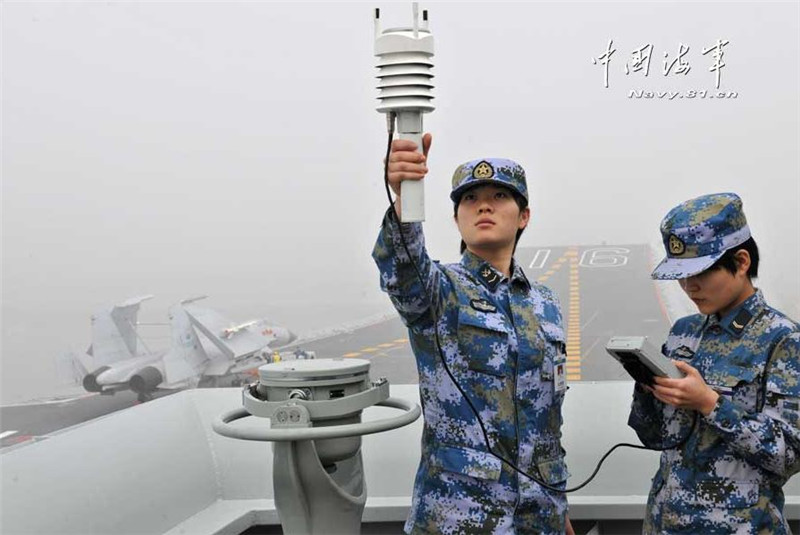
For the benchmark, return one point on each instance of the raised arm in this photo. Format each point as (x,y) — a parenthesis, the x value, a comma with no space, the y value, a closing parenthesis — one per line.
(400,249)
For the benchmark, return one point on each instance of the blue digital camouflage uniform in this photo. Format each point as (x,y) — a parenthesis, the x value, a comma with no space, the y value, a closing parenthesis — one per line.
(728,477)
(502,339)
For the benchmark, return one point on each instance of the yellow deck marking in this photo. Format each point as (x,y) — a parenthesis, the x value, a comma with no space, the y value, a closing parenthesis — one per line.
(550,272)
(351,354)
(573,342)
(573,322)
(370,349)
(401,340)
(386,345)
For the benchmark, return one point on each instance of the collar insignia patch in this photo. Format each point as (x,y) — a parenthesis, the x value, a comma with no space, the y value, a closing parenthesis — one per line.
(740,321)
(490,277)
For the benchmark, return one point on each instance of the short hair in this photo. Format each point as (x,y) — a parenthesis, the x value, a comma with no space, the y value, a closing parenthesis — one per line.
(521,201)
(728,261)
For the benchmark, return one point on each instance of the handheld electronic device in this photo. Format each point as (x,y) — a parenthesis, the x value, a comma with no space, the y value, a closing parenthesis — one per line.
(640,359)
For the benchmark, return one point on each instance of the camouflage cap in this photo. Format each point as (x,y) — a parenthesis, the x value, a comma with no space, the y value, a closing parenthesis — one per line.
(696,233)
(493,171)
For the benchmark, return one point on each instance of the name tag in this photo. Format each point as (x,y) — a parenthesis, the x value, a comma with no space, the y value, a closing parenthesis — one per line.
(560,371)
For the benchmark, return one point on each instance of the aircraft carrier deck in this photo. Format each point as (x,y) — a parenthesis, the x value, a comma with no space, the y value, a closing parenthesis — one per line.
(604,290)
(105,464)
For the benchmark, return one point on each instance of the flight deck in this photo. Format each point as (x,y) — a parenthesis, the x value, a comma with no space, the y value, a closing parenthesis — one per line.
(603,290)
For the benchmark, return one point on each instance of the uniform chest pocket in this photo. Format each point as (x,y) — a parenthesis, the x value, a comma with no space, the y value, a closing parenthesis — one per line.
(554,350)
(483,342)
(467,462)
(736,383)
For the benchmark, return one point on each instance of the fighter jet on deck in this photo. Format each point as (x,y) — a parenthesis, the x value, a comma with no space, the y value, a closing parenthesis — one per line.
(206,349)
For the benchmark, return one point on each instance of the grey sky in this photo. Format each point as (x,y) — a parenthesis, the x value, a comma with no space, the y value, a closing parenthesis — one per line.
(234,149)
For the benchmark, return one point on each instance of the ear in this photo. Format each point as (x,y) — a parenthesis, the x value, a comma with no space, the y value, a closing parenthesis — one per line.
(524,217)
(742,259)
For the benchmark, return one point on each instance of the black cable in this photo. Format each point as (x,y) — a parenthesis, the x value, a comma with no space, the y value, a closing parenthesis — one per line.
(394,218)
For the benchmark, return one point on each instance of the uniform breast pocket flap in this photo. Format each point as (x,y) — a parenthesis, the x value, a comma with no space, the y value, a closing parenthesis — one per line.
(467,462)
(483,342)
(553,471)
(555,350)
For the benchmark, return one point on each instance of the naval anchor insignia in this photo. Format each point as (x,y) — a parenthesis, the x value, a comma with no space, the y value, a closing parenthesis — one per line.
(489,275)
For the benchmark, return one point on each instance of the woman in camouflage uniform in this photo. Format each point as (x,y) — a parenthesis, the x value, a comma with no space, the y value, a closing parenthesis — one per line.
(741,358)
(503,340)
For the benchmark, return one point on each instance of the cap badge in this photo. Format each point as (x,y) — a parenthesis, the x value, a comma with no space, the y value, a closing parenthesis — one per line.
(483,170)
(676,245)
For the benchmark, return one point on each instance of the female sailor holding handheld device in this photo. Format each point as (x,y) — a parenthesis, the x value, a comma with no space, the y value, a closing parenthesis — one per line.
(741,358)
(487,342)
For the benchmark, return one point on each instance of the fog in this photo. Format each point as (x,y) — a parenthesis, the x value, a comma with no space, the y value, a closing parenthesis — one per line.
(234,150)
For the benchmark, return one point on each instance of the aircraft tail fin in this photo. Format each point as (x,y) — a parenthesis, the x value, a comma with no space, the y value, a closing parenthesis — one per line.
(187,358)
(71,368)
(114,333)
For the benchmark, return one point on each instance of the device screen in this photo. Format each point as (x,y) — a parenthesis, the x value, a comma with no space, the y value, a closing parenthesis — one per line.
(630,361)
